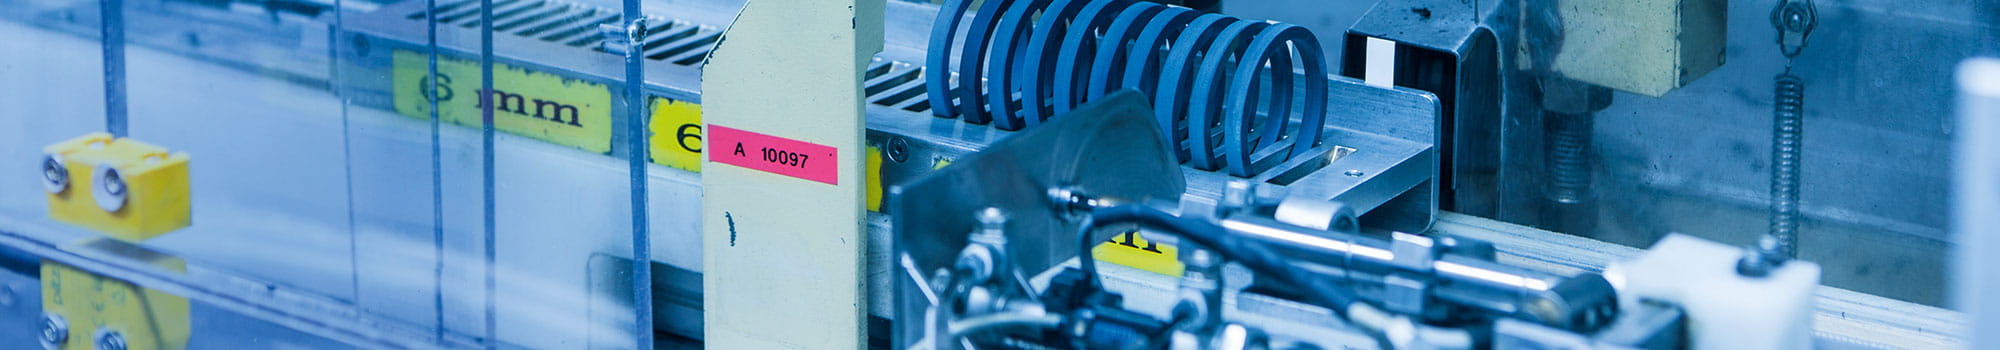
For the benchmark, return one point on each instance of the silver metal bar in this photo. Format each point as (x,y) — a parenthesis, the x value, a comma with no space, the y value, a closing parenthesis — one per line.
(502,12)
(466,12)
(569,31)
(533,25)
(684,45)
(900,95)
(551,11)
(112,30)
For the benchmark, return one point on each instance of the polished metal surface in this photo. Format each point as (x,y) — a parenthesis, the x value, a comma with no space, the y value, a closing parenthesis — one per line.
(1450,277)
(1444,50)
(1108,149)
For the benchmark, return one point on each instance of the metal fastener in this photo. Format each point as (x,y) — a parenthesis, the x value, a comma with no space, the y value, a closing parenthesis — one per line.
(111,190)
(110,340)
(55,176)
(55,331)
(899,149)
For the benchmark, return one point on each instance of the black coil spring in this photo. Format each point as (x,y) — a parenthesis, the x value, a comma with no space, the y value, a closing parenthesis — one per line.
(1224,89)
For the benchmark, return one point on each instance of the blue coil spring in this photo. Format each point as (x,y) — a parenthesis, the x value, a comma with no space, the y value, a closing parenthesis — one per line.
(1225,89)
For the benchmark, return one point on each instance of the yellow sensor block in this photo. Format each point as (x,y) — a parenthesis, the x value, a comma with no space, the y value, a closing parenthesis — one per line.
(123,188)
(98,312)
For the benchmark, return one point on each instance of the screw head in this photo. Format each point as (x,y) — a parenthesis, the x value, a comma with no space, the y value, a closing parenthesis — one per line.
(111,190)
(899,150)
(55,331)
(55,176)
(110,340)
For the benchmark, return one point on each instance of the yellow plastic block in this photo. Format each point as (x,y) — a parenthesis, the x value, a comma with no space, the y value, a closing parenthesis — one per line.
(154,187)
(1134,251)
(92,305)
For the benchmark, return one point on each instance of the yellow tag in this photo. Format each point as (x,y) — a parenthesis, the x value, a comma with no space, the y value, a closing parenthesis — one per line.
(1132,250)
(539,105)
(676,140)
(148,319)
(874,171)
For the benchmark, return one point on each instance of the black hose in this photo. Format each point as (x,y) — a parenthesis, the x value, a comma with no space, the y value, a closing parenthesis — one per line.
(1250,253)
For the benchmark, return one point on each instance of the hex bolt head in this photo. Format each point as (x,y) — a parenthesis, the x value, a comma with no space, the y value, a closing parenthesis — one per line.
(55,176)
(55,331)
(110,340)
(111,191)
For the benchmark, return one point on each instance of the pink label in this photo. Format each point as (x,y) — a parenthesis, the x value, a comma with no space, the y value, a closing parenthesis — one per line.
(772,154)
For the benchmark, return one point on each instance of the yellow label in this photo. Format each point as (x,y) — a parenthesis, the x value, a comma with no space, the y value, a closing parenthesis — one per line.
(676,140)
(539,105)
(148,319)
(1132,250)
(874,171)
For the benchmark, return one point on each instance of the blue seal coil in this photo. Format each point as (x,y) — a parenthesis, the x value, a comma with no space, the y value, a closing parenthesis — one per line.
(1176,87)
(1280,41)
(1107,72)
(1034,70)
(1205,125)
(971,101)
(1009,43)
(937,61)
(1224,89)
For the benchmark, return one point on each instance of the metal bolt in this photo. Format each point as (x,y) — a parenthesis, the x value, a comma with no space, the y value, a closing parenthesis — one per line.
(992,219)
(1199,259)
(1759,262)
(111,189)
(55,177)
(992,227)
(940,279)
(110,340)
(113,184)
(899,149)
(55,331)
(622,39)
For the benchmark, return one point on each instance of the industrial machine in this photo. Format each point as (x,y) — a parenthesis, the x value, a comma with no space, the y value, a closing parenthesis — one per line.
(997,174)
